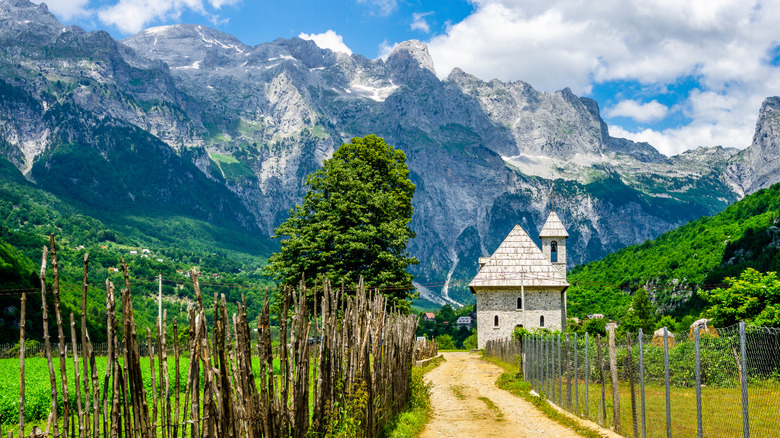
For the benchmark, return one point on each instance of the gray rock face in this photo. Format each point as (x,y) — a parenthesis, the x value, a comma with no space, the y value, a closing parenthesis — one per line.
(758,166)
(257,120)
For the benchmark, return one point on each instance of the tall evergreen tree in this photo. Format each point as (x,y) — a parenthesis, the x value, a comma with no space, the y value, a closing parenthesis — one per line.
(354,221)
(641,314)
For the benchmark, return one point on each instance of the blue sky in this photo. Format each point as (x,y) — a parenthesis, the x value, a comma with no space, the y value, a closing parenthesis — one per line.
(675,73)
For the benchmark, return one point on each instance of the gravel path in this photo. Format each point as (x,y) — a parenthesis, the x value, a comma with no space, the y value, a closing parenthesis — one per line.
(467,403)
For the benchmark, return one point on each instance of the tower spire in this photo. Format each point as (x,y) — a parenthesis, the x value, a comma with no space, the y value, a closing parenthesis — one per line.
(552,197)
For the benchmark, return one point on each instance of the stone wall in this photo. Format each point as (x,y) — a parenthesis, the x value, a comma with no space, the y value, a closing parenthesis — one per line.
(503,303)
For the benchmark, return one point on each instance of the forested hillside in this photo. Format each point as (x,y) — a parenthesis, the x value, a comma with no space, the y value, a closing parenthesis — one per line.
(678,265)
(231,261)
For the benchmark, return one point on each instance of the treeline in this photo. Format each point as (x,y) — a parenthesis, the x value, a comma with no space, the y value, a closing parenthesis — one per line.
(232,262)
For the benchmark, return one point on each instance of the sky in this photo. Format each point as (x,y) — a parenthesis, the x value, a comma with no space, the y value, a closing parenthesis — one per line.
(677,74)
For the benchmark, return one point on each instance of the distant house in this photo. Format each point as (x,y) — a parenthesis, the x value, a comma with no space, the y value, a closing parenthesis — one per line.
(464,321)
(595,316)
(429,316)
(146,251)
(133,252)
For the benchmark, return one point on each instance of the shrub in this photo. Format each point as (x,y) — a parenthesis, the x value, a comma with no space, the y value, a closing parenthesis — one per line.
(445,342)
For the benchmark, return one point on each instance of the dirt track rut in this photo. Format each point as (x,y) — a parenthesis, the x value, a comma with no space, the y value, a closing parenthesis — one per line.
(467,403)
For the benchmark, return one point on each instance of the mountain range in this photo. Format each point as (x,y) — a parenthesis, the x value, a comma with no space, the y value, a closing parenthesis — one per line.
(188,120)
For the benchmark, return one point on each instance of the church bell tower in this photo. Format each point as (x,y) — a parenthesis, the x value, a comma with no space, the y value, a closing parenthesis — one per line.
(553,237)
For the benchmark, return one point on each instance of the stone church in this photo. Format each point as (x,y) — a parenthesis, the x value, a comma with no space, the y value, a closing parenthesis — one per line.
(521,285)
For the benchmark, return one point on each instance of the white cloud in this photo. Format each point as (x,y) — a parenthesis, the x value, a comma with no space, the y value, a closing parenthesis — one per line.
(131,16)
(420,23)
(385,49)
(327,40)
(67,10)
(382,7)
(553,44)
(641,112)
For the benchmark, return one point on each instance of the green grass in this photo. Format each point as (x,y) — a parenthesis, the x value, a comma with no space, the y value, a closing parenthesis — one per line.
(412,421)
(458,391)
(492,406)
(38,388)
(319,132)
(231,168)
(721,409)
(511,381)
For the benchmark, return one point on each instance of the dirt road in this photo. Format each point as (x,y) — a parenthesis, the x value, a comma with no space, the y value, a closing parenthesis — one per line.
(467,403)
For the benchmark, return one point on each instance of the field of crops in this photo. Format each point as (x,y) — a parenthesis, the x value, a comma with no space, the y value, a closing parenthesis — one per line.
(38,389)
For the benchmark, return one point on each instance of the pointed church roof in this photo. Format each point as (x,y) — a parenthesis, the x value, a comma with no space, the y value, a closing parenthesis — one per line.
(518,261)
(553,227)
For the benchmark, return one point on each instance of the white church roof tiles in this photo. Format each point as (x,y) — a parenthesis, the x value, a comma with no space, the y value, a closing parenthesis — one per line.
(553,227)
(519,262)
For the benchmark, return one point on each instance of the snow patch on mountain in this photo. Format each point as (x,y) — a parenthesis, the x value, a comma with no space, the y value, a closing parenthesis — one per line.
(376,93)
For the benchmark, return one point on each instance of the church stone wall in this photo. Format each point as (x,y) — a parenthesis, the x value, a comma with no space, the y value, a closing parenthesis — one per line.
(503,303)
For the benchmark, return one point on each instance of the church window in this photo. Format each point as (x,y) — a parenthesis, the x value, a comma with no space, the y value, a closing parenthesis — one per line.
(519,303)
(554,251)
(495,321)
(541,321)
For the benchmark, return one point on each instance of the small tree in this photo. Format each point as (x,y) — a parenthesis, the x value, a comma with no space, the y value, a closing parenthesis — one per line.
(753,297)
(640,315)
(354,222)
(596,326)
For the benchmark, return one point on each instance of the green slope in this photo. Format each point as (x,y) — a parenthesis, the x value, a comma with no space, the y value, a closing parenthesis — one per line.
(678,264)
(28,214)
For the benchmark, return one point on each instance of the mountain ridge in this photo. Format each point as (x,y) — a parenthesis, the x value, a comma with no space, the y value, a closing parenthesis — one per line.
(255,120)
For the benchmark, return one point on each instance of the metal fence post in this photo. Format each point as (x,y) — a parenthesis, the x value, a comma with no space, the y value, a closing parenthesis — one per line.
(603,411)
(576,380)
(532,364)
(524,356)
(537,359)
(547,365)
(642,380)
(666,383)
(696,346)
(743,352)
(558,374)
(568,372)
(587,377)
(536,363)
(630,365)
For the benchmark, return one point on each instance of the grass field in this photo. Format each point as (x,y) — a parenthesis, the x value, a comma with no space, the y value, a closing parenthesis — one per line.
(38,389)
(721,409)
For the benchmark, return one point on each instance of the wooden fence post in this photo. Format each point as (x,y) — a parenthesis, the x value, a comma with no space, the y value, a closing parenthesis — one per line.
(614,372)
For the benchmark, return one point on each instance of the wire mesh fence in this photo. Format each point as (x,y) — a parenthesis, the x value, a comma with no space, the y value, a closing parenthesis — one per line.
(707,382)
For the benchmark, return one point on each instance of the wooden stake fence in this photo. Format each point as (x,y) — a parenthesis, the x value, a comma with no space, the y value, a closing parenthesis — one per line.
(354,380)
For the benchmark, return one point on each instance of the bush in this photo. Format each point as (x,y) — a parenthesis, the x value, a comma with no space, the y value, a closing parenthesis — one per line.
(445,342)
(471,342)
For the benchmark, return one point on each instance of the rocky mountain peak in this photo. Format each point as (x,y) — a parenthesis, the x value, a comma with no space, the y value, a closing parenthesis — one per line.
(184,45)
(766,140)
(758,166)
(24,21)
(410,54)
